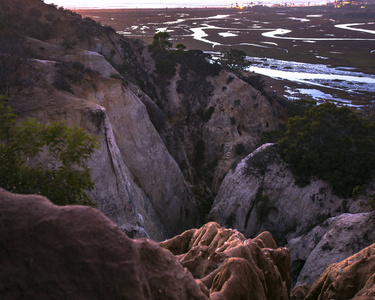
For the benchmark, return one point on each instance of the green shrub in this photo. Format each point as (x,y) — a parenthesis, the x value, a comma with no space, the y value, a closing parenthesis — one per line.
(50,160)
(333,144)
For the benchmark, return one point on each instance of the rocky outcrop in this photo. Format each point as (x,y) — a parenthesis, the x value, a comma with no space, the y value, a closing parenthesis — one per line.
(352,278)
(260,194)
(332,241)
(218,119)
(75,252)
(231,266)
(165,142)
(138,183)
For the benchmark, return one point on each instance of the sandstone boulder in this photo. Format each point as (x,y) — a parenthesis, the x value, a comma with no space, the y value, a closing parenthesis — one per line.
(333,241)
(352,278)
(75,252)
(261,194)
(231,266)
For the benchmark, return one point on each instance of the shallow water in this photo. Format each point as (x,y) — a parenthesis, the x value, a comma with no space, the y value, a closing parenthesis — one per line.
(315,75)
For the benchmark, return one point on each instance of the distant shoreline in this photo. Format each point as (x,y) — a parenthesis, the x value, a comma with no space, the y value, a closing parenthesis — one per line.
(153,9)
(184,8)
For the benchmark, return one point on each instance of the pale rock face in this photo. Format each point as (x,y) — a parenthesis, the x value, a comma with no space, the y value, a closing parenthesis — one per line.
(352,278)
(333,241)
(295,216)
(92,60)
(144,153)
(134,173)
(218,119)
(285,209)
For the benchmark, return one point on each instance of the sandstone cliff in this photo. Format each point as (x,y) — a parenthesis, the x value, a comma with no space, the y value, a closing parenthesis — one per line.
(216,118)
(260,194)
(160,152)
(137,181)
(332,241)
(352,278)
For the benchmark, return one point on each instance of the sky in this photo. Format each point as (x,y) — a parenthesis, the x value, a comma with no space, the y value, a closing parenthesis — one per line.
(75,4)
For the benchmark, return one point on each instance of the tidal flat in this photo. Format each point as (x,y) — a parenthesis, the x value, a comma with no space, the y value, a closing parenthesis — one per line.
(340,40)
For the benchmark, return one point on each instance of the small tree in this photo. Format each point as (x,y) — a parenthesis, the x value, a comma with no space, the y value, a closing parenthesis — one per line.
(164,60)
(161,41)
(50,160)
(234,59)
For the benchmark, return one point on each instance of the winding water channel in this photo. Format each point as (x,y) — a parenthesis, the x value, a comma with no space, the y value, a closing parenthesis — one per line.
(318,81)
(316,76)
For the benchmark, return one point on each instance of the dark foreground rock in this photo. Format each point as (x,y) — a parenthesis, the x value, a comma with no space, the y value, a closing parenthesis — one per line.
(231,266)
(75,252)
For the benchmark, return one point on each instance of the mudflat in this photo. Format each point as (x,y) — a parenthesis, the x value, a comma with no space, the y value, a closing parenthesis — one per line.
(318,34)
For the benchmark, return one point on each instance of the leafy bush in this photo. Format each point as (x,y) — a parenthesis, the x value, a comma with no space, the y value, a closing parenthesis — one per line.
(50,160)
(2,22)
(61,83)
(333,144)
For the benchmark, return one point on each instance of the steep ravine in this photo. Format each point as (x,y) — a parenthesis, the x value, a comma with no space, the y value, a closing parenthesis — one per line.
(168,157)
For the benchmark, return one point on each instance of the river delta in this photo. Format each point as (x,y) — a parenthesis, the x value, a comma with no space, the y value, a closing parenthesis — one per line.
(320,53)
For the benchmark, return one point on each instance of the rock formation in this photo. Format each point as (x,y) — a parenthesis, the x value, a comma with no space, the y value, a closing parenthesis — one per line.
(260,194)
(352,278)
(47,251)
(218,119)
(332,241)
(75,252)
(231,266)
(165,142)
